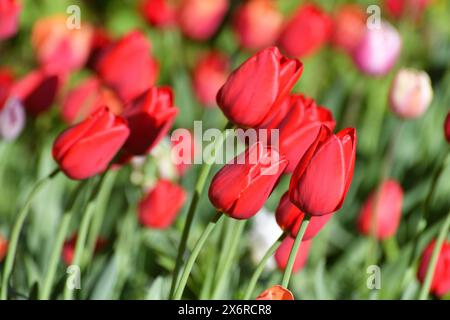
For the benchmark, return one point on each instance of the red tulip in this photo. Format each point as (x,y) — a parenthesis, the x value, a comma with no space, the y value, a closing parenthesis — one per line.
(159,13)
(299,127)
(440,285)
(290,218)
(87,148)
(6,83)
(159,208)
(386,204)
(9,18)
(412,8)
(348,27)
(200,19)
(149,117)
(69,247)
(276,293)
(3,247)
(283,252)
(254,91)
(323,176)
(37,90)
(447,128)
(306,32)
(257,24)
(242,186)
(128,67)
(101,42)
(88,97)
(210,73)
(59,48)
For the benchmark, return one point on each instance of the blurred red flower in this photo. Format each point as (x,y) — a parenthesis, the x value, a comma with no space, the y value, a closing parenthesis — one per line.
(6,83)
(200,19)
(38,90)
(210,73)
(9,18)
(447,127)
(159,208)
(3,247)
(306,32)
(440,285)
(299,127)
(386,204)
(348,27)
(254,91)
(276,292)
(410,8)
(87,148)
(69,247)
(128,67)
(283,252)
(88,97)
(323,176)
(290,218)
(243,185)
(149,118)
(257,24)
(159,13)
(59,48)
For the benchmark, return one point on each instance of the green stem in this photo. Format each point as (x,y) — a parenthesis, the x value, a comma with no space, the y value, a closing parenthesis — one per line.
(199,186)
(80,245)
(434,259)
(59,242)
(12,248)
(198,247)
(261,265)
(294,251)
(391,248)
(230,250)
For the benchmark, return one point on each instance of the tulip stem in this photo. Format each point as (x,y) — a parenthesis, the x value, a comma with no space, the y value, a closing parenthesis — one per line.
(294,251)
(198,247)
(59,242)
(434,259)
(199,186)
(261,265)
(390,247)
(12,248)
(88,211)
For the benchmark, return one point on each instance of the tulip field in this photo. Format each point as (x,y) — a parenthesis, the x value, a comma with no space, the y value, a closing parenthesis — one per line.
(224,150)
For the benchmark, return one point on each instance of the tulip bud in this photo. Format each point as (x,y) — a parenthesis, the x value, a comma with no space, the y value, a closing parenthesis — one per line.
(411,93)
(276,293)
(59,48)
(257,24)
(200,19)
(306,32)
(87,148)
(12,119)
(88,97)
(159,208)
(323,176)
(447,128)
(210,73)
(411,8)
(378,50)
(159,13)
(69,246)
(9,18)
(127,67)
(386,204)
(440,284)
(255,90)
(243,185)
(149,118)
(349,27)
(299,127)
(3,247)
(284,250)
(37,91)
(6,83)
(290,218)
